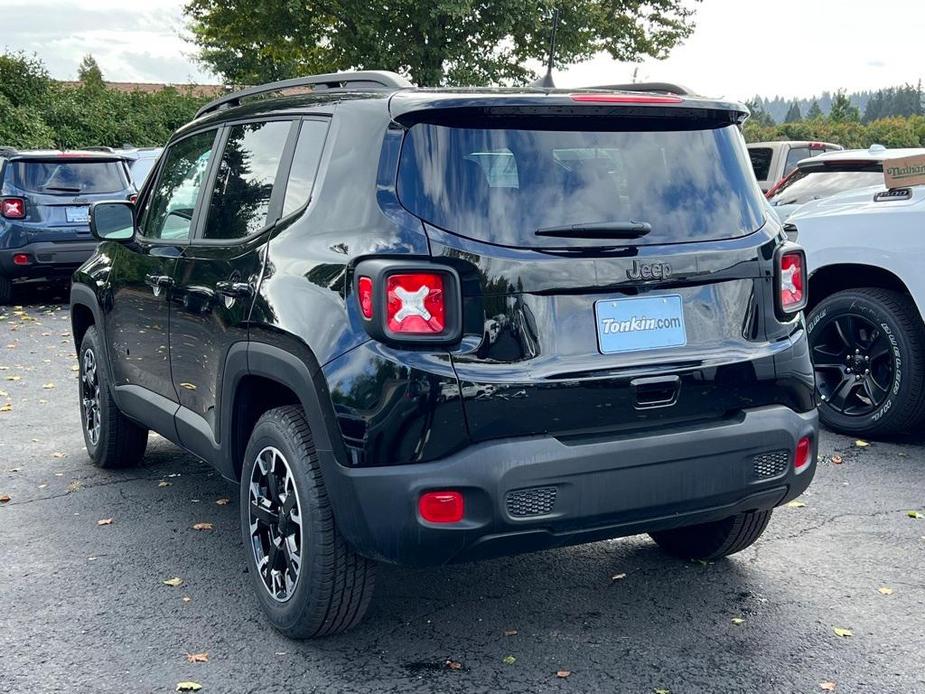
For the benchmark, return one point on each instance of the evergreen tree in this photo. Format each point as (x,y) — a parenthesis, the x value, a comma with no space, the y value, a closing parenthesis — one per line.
(843,111)
(759,114)
(814,111)
(89,73)
(793,113)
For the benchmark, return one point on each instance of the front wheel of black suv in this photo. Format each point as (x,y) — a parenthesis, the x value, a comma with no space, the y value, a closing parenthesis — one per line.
(868,353)
(111,438)
(309,581)
(709,541)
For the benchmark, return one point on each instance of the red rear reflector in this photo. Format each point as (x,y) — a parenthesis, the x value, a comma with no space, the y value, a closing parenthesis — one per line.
(801,456)
(13,208)
(627,98)
(441,507)
(21,259)
(365,295)
(792,282)
(416,303)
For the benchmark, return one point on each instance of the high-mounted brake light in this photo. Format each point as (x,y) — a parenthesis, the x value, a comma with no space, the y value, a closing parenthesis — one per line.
(13,208)
(791,275)
(441,507)
(627,98)
(416,303)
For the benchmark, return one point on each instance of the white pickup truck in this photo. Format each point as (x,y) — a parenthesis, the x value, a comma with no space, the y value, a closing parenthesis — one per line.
(772,161)
(865,252)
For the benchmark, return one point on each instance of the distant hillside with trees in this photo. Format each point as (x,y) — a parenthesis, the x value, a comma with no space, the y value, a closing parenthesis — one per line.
(903,100)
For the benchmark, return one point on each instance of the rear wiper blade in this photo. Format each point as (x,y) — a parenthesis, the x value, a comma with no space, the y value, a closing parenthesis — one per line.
(598,230)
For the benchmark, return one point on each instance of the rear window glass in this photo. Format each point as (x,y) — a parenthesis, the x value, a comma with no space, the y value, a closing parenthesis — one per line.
(761,161)
(70,177)
(805,185)
(502,185)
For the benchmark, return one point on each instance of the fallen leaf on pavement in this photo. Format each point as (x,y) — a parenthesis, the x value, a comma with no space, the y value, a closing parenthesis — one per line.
(188,386)
(827,686)
(661,691)
(173,582)
(74,486)
(8,407)
(841,631)
(197,657)
(885,591)
(562,674)
(186,598)
(509,660)
(617,577)
(453,664)
(796,504)
(738,620)
(4,394)
(224,501)
(836,459)
(48,386)
(188,686)
(4,498)
(915,514)
(510,632)
(202,526)
(163,483)
(861,444)
(104,521)
(57,454)
(14,378)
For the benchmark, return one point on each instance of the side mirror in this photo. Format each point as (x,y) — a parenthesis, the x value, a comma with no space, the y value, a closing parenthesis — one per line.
(112,221)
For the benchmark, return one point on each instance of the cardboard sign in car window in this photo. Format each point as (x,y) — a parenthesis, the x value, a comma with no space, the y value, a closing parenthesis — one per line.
(904,171)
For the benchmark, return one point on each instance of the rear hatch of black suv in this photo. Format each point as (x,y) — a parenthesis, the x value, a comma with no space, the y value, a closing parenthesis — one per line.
(617,271)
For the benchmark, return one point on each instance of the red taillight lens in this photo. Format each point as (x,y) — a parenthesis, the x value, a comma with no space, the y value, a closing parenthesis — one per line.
(13,208)
(21,259)
(802,453)
(627,98)
(365,296)
(133,198)
(415,303)
(792,274)
(441,507)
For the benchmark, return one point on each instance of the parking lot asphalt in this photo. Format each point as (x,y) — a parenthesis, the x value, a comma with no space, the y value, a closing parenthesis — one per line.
(84,606)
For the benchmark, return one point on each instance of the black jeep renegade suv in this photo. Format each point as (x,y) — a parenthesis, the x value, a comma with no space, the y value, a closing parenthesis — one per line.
(427,326)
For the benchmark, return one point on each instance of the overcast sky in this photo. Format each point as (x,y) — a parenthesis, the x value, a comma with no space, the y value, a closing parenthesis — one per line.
(740,47)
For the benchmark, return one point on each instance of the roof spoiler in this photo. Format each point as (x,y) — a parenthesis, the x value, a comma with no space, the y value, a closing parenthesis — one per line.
(661,87)
(366,79)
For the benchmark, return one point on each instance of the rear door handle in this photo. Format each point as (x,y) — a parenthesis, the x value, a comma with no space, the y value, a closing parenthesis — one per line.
(235,290)
(656,391)
(158,281)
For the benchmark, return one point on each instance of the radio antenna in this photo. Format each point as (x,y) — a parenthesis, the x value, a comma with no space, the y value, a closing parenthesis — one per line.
(546,81)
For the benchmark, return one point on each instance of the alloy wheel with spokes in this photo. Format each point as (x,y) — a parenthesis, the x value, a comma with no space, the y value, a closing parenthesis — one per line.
(90,396)
(852,359)
(275,524)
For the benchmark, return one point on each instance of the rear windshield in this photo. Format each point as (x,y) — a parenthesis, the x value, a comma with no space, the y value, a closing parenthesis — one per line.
(805,185)
(63,177)
(502,185)
(761,161)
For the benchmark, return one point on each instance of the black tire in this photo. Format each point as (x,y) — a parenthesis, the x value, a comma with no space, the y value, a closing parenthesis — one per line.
(710,541)
(899,370)
(6,290)
(119,442)
(333,585)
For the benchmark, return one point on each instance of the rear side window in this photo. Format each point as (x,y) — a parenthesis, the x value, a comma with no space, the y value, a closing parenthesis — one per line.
(806,185)
(305,164)
(761,161)
(241,196)
(795,156)
(502,185)
(68,177)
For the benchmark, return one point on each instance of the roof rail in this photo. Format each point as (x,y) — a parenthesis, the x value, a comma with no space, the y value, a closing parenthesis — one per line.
(365,79)
(665,87)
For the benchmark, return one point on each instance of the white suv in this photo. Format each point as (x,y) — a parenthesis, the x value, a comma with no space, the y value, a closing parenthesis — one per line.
(866,257)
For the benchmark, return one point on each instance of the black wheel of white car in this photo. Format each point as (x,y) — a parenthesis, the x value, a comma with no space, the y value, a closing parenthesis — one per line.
(868,353)
(111,438)
(308,580)
(709,541)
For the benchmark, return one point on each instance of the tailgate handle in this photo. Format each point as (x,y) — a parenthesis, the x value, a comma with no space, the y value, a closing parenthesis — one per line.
(655,391)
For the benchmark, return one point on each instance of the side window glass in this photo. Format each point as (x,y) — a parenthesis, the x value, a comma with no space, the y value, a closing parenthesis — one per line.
(170,207)
(795,155)
(241,197)
(304,164)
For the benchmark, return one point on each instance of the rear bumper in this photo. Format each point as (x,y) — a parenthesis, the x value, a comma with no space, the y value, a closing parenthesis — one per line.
(602,489)
(46,258)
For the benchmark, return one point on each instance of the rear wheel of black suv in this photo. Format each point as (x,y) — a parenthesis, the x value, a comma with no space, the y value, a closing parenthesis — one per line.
(868,352)
(309,581)
(6,290)
(112,439)
(709,541)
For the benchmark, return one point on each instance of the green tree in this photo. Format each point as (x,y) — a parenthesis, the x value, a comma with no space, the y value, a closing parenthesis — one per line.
(793,113)
(814,111)
(759,114)
(89,73)
(435,42)
(843,111)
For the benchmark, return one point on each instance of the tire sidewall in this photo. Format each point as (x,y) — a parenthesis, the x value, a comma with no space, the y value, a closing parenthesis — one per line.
(860,304)
(90,342)
(287,615)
